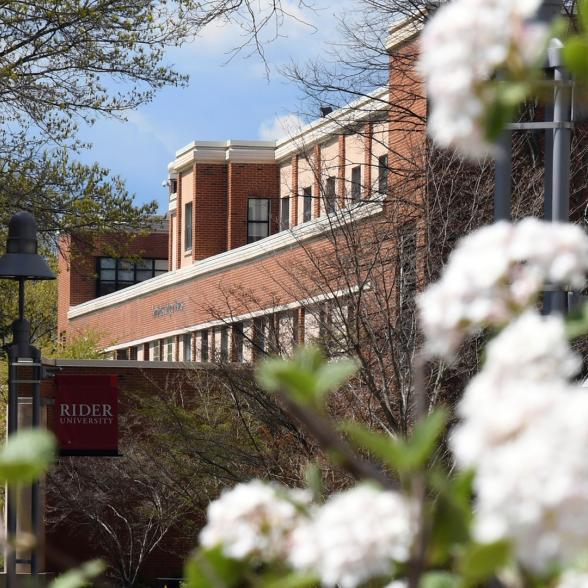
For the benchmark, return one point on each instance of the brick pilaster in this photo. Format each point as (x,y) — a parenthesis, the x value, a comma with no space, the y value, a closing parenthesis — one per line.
(317,189)
(368,131)
(341,187)
(178,251)
(294,196)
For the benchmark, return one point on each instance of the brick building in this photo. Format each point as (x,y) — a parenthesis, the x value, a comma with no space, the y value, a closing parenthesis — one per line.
(246,222)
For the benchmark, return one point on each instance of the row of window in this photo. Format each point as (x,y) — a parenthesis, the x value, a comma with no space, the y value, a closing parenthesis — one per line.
(259,209)
(330,195)
(116,274)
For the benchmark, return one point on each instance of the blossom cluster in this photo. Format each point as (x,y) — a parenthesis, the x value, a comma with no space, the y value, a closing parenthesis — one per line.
(356,535)
(523,423)
(497,272)
(462,47)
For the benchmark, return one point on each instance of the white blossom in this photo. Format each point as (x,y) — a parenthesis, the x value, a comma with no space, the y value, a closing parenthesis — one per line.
(254,520)
(533,490)
(573,579)
(356,535)
(462,46)
(497,272)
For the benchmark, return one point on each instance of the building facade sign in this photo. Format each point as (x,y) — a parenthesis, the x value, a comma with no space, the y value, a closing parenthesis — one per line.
(168,309)
(86,414)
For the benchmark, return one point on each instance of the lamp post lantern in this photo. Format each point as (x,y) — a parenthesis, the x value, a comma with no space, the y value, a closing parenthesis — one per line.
(21,262)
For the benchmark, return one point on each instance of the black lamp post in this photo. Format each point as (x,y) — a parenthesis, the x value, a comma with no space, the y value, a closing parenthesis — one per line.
(21,262)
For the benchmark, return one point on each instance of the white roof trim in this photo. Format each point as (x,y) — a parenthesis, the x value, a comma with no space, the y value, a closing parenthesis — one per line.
(405,30)
(123,363)
(234,319)
(243,254)
(361,109)
(222,152)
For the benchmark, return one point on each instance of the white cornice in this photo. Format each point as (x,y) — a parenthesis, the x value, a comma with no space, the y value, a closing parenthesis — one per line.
(404,31)
(364,108)
(244,254)
(337,122)
(222,152)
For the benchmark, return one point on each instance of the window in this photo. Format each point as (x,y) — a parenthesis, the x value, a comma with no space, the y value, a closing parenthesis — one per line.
(133,353)
(356,183)
(224,344)
(122,354)
(238,340)
(116,274)
(307,204)
(187,347)
(204,345)
(259,335)
(172,184)
(169,349)
(154,351)
(284,214)
(383,174)
(330,195)
(258,219)
(188,226)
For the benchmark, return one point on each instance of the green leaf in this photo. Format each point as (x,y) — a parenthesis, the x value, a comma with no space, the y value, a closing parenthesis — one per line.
(405,456)
(583,12)
(575,54)
(308,377)
(576,323)
(483,560)
(314,480)
(450,513)
(80,576)
(26,456)
(391,451)
(212,569)
(425,435)
(496,118)
(332,375)
(440,580)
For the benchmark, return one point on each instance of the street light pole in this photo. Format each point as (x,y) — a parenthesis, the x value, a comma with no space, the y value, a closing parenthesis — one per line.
(21,262)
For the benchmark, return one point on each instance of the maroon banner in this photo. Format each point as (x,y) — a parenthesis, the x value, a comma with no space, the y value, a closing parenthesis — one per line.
(86,414)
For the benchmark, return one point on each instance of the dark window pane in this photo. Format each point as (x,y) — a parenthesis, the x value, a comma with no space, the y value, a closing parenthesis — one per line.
(145,264)
(108,275)
(204,346)
(356,183)
(330,195)
(258,218)
(284,214)
(187,345)
(307,209)
(144,275)
(258,209)
(383,174)
(188,226)
(107,263)
(224,344)
(238,340)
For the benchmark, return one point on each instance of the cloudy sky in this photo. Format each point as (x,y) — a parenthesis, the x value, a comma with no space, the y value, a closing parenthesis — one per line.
(233,100)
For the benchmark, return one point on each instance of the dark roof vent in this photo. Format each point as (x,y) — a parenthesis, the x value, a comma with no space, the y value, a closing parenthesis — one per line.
(326,110)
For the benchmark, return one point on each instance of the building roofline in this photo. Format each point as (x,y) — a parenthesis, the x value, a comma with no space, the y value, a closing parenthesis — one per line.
(403,31)
(361,109)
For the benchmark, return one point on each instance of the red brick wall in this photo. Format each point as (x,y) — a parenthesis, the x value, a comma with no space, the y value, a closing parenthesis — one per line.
(248,180)
(279,278)
(210,210)
(76,280)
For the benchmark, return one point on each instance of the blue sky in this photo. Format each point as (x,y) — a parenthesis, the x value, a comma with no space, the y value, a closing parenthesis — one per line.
(232,100)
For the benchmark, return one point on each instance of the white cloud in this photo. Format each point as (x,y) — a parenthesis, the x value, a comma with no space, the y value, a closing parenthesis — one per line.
(168,139)
(280,126)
